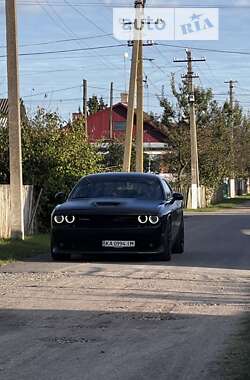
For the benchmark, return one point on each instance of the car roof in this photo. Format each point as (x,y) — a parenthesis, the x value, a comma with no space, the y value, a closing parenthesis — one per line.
(123,175)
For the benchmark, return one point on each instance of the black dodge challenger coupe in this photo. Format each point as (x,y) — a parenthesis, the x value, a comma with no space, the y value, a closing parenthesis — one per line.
(128,213)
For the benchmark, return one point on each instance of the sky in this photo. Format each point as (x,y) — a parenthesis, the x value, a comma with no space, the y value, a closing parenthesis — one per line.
(54,81)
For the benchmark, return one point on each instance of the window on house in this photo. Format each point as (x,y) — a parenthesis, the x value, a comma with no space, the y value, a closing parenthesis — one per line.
(119,125)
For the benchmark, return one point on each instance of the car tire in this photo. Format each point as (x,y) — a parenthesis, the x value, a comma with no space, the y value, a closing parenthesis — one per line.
(166,255)
(58,257)
(178,246)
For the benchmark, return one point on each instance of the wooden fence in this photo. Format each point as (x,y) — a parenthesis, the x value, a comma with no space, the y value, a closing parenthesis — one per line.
(5,223)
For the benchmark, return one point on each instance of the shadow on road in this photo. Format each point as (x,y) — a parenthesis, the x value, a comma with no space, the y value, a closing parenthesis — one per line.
(61,344)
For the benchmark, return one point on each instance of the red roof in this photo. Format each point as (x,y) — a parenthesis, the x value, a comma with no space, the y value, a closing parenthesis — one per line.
(98,125)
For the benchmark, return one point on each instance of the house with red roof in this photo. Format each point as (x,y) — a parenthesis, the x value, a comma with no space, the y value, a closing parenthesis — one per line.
(98,127)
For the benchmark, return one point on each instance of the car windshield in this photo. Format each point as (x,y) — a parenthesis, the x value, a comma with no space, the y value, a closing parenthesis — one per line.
(118,188)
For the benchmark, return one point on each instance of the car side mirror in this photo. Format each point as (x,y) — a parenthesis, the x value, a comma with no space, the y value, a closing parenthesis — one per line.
(177,197)
(60,197)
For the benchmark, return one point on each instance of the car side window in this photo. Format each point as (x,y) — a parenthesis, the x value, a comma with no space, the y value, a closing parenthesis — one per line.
(167,190)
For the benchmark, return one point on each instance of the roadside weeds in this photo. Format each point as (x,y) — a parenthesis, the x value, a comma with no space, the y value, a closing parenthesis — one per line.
(230,203)
(235,364)
(15,250)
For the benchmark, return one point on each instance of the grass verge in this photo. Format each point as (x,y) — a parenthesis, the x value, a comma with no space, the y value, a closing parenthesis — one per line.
(230,203)
(12,250)
(233,202)
(236,364)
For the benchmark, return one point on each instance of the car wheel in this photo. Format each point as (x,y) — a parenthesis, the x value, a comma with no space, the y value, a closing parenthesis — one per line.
(166,255)
(58,257)
(178,246)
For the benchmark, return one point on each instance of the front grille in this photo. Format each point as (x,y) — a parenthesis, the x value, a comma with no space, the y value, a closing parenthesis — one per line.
(107,221)
(91,241)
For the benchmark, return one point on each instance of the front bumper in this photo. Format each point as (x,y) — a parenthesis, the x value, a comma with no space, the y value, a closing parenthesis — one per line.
(89,241)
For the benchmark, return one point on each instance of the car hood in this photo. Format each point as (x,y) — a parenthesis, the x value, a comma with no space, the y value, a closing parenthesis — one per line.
(111,206)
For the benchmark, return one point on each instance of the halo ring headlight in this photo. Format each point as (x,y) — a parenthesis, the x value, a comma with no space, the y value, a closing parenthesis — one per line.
(142,219)
(59,219)
(70,219)
(154,219)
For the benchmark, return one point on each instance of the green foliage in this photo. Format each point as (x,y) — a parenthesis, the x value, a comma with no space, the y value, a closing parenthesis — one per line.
(54,157)
(112,155)
(214,134)
(12,250)
(95,105)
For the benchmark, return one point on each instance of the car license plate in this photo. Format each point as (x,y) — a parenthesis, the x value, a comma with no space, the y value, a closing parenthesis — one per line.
(118,244)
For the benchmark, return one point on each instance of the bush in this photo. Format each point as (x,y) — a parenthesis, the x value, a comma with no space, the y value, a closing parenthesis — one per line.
(54,156)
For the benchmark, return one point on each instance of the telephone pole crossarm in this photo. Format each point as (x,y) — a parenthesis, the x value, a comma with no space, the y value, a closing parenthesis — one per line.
(140,3)
(190,76)
(185,60)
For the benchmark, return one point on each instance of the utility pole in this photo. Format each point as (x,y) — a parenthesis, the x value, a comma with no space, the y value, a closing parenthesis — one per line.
(85,105)
(162,92)
(195,185)
(232,186)
(139,111)
(135,71)
(111,111)
(15,148)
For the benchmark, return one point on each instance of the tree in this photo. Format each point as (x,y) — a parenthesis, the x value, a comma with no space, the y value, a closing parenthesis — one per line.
(55,157)
(213,133)
(112,155)
(95,105)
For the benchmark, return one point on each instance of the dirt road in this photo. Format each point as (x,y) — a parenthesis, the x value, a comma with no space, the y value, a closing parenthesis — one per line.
(103,319)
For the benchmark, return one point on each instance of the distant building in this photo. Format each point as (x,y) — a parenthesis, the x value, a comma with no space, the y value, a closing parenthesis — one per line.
(76,116)
(155,140)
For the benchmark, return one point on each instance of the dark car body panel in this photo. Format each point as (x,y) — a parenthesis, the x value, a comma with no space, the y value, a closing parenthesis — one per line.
(109,205)
(84,241)
(115,219)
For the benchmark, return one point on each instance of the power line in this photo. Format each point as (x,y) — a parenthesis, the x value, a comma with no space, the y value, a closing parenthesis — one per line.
(74,34)
(111,5)
(204,74)
(84,16)
(51,91)
(77,57)
(54,21)
(68,29)
(67,50)
(157,66)
(68,88)
(244,89)
(206,49)
(61,4)
(71,88)
(90,21)
(62,41)
(212,73)
(79,69)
